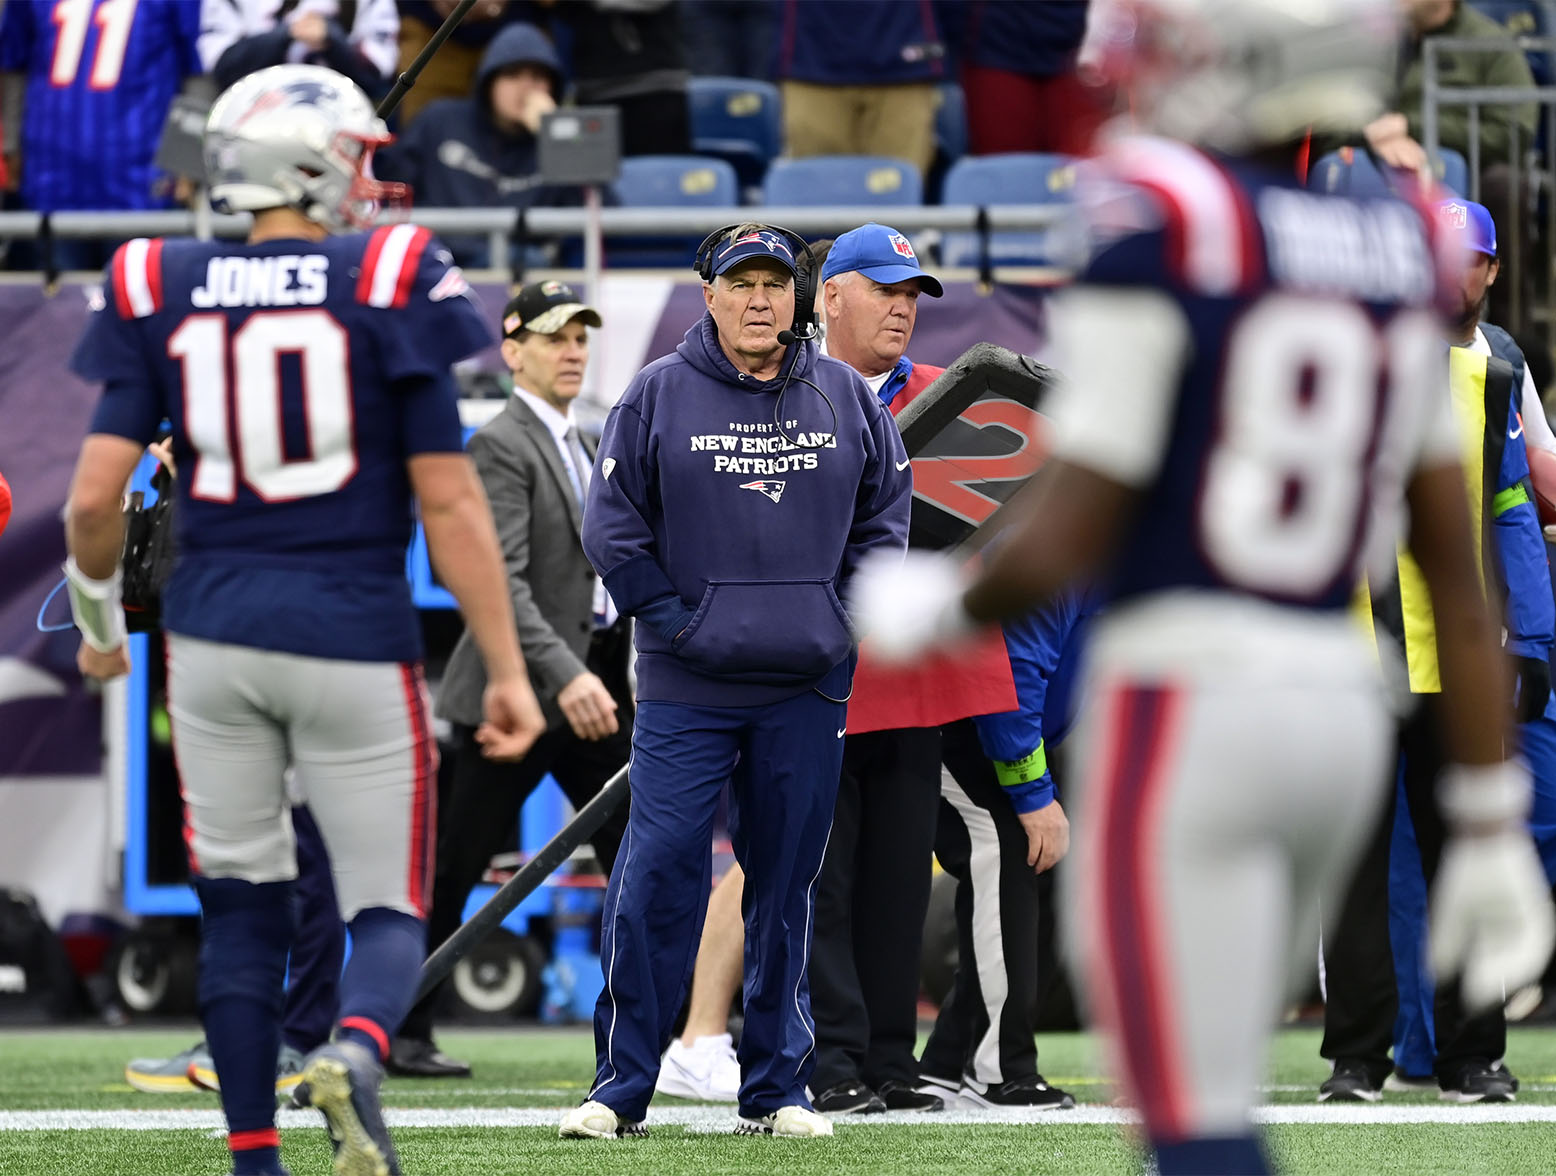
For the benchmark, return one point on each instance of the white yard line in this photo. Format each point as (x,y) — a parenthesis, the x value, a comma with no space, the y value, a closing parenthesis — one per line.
(720,1119)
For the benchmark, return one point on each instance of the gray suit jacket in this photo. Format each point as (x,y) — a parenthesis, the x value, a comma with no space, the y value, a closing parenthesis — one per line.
(538,521)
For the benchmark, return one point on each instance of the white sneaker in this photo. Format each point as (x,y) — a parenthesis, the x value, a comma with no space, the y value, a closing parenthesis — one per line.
(707,1070)
(789,1122)
(595,1120)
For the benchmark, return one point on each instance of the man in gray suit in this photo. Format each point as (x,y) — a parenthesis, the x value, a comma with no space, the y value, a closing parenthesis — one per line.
(535,470)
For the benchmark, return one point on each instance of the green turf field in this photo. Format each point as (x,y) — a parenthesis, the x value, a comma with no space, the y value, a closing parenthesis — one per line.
(64,1108)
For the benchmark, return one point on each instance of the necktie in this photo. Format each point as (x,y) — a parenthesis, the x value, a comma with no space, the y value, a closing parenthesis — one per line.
(579,462)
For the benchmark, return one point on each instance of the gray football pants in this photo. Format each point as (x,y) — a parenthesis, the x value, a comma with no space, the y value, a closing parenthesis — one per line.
(357,734)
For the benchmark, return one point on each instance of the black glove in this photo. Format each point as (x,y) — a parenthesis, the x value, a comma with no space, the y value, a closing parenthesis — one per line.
(1531,688)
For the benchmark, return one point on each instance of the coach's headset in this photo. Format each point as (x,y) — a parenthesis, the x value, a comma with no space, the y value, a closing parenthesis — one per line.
(804,325)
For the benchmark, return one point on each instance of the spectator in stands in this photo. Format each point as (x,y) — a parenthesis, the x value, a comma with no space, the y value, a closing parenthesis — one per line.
(358,38)
(1396,137)
(1018,74)
(859,79)
(718,35)
(481,151)
(628,54)
(86,91)
(449,72)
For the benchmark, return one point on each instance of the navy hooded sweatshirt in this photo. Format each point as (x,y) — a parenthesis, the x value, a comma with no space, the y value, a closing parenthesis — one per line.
(732,546)
(454,156)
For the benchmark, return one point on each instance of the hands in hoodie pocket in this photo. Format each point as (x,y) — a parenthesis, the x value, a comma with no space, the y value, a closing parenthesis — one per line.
(778,630)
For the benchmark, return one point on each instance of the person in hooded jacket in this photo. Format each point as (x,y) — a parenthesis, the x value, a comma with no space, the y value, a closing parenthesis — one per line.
(482,151)
(733,504)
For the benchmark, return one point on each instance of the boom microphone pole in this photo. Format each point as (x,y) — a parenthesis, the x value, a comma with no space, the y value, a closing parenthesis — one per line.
(403,84)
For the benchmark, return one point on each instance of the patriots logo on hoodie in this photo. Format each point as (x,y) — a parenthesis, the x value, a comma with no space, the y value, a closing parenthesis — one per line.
(773,490)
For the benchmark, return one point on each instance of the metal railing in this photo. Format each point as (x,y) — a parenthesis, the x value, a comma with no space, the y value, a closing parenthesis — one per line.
(1522,157)
(504,227)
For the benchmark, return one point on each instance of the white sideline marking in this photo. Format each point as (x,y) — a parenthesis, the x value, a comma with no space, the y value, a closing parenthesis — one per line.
(706,1119)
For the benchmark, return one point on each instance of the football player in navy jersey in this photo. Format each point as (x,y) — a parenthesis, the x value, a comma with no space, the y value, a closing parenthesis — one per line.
(306,377)
(1254,390)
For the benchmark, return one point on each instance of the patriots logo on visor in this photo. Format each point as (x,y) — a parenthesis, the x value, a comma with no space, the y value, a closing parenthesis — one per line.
(1454,216)
(769,241)
(771,489)
(902,247)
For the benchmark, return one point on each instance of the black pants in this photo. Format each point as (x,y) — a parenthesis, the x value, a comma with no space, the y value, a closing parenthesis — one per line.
(986,1032)
(1362,1000)
(870,905)
(485,797)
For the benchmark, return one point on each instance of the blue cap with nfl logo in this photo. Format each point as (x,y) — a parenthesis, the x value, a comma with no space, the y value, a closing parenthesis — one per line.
(1471,223)
(881,254)
(758,242)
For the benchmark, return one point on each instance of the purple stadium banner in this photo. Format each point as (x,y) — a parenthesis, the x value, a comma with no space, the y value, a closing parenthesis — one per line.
(50,724)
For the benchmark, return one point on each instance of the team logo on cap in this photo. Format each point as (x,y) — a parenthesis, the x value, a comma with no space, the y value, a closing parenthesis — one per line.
(769,241)
(552,289)
(773,490)
(1454,215)
(900,244)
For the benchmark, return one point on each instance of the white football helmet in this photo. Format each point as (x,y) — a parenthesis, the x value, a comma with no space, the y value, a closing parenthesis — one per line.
(297,136)
(1236,75)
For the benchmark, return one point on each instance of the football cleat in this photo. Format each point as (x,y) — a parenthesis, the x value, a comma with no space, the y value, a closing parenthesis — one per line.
(342,1081)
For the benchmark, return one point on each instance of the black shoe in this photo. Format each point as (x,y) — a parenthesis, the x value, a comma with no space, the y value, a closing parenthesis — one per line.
(1018,1092)
(848,1098)
(411,1058)
(899,1096)
(1351,1082)
(1501,1069)
(1479,1082)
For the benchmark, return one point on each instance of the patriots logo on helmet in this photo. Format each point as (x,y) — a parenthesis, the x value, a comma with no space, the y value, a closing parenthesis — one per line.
(902,247)
(1455,215)
(771,489)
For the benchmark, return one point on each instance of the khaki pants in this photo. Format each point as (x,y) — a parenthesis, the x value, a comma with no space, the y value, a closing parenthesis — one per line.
(898,121)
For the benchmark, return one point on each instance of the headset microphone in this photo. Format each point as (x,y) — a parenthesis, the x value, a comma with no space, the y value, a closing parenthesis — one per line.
(788,338)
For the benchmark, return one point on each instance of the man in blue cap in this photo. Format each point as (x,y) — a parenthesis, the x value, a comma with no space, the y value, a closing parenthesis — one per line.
(995,823)
(742,479)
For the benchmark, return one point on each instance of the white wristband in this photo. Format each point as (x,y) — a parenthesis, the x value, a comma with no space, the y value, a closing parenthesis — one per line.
(1485,794)
(96,607)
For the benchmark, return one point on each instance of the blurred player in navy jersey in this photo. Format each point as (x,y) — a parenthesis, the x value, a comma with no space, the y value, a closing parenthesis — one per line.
(100,75)
(1254,389)
(306,377)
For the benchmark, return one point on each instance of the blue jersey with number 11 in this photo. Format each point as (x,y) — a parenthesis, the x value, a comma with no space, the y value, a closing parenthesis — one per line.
(1296,378)
(298,377)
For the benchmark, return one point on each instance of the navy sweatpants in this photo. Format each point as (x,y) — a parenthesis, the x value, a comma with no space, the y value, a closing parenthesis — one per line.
(782,761)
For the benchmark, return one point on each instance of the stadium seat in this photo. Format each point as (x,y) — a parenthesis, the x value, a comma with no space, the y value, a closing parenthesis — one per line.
(1454,171)
(737,120)
(1348,172)
(1352,172)
(843,179)
(1017,178)
(662,181)
(665,181)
